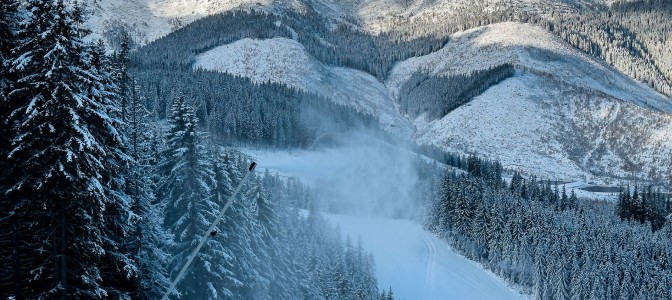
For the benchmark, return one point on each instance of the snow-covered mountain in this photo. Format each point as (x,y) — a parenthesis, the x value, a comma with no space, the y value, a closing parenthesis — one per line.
(285,61)
(382,15)
(148,20)
(563,115)
(152,19)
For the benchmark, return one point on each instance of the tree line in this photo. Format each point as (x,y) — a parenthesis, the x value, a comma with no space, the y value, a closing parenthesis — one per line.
(437,96)
(339,45)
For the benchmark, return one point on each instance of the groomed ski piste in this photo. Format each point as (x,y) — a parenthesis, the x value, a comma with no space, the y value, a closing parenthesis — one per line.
(410,260)
(417,265)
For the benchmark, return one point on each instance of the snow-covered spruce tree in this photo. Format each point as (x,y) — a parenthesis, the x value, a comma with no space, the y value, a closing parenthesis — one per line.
(66,157)
(263,239)
(150,240)
(238,230)
(119,268)
(277,278)
(187,191)
(126,84)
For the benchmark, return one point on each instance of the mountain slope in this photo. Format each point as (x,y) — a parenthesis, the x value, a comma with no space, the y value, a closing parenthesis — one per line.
(148,20)
(385,15)
(557,133)
(414,262)
(529,47)
(285,61)
(563,115)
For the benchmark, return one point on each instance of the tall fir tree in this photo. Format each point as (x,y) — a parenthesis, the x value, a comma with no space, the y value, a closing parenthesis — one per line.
(66,155)
(238,228)
(187,190)
(150,241)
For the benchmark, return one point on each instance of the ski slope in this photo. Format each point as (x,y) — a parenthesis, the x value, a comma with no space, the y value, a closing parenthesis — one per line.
(417,265)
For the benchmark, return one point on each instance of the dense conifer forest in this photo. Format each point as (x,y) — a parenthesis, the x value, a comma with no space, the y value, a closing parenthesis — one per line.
(541,237)
(104,198)
(112,165)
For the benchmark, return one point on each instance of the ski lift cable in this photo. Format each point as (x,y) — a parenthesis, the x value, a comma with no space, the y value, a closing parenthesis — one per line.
(210,233)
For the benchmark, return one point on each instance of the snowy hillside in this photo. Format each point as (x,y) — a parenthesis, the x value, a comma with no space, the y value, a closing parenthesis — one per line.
(562,115)
(530,47)
(429,270)
(285,61)
(556,134)
(382,15)
(152,19)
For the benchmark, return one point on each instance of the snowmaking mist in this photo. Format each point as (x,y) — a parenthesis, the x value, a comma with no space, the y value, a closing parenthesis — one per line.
(364,176)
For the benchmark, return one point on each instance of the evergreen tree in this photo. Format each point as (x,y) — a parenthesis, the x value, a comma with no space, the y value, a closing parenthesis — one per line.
(150,240)
(564,201)
(8,24)
(119,271)
(573,201)
(126,83)
(637,206)
(186,189)
(67,155)
(266,241)
(239,229)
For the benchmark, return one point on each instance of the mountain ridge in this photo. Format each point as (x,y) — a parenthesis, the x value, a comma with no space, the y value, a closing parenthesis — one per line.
(570,78)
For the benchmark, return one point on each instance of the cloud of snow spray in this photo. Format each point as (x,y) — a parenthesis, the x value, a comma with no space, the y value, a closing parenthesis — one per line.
(365,176)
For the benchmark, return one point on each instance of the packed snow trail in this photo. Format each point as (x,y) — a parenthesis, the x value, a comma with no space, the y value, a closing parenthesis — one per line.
(417,265)
(431,261)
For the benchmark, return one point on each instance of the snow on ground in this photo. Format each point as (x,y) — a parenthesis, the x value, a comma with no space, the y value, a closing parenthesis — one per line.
(530,47)
(152,19)
(417,265)
(286,61)
(579,187)
(556,134)
(410,260)
(562,116)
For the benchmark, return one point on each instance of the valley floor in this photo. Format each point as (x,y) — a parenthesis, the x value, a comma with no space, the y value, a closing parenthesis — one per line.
(417,265)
